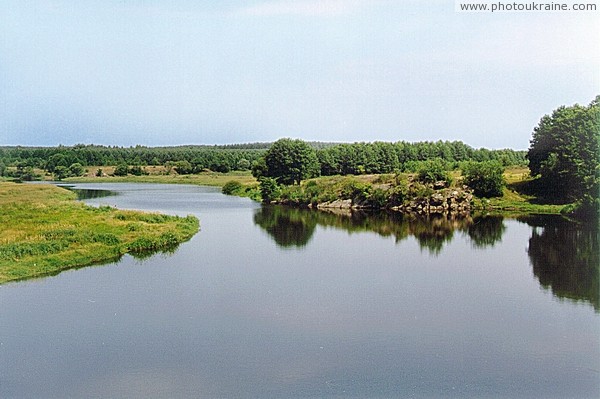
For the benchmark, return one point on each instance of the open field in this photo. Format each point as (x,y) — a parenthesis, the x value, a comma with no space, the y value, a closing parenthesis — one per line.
(157,175)
(44,230)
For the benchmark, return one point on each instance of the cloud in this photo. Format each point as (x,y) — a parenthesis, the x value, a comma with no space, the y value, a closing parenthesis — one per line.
(305,8)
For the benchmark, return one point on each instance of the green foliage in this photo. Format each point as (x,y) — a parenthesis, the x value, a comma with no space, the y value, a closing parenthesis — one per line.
(121,170)
(289,162)
(333,159)
(565,151)
(379,157)
(433,170)
(137,170)
(232,187)
(355,191)
(243,164)
(398,193)
(485,178)
(76,169)
(269,189)
(419,190)
(183,167)
(60,172)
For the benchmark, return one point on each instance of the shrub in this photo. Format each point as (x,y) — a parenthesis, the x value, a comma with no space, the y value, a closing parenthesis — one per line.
(136,170)
(355,190)
(485,178)
(433,170)
(232,187)
(269,190)
(121,170)
(397,194)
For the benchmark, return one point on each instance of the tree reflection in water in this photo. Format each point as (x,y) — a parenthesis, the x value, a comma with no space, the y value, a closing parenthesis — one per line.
(289,227)
(565,257)
(564,254)
(293,227)
(486,231)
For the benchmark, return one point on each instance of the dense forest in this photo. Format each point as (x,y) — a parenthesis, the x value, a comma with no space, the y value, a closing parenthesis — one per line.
(333,158)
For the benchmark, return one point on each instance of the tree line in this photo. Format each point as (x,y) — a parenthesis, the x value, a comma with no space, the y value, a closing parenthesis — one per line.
(331,158)
(563,158)
(188,159)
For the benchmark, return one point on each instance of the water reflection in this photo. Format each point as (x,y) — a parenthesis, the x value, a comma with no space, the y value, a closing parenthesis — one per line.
(88,193)
(289,227)
(486,231)
(565,257)
(292,227)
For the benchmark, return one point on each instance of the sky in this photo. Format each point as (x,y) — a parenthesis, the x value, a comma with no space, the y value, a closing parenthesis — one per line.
(174,72)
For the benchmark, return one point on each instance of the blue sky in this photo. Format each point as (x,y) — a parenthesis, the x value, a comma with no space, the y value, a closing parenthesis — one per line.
(210,72)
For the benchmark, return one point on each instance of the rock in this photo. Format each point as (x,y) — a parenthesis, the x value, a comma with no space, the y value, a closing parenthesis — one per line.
(436,199)
(438,185)
(340,204)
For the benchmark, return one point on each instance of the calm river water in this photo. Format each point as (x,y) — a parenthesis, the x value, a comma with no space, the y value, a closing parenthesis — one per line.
(283,303)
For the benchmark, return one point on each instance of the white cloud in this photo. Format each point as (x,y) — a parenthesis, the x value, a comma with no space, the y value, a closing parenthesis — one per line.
(305,8)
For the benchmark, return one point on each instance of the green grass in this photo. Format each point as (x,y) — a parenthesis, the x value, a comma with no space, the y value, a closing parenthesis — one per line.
(43,230)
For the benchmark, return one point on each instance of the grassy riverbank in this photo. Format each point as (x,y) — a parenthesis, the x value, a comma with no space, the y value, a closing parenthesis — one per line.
(44,230)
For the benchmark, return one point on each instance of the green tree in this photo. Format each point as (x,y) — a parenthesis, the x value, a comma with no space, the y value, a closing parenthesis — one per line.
(564,153)
(183,167)
(243,164)
(485,178)
(60,172)
(76,169)
(121,170)
(289,162)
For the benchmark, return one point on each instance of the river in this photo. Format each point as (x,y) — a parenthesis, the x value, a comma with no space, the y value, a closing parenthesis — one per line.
(269,302)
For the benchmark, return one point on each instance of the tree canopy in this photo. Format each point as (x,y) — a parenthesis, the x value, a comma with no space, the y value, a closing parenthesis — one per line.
(289,161)
(564,153)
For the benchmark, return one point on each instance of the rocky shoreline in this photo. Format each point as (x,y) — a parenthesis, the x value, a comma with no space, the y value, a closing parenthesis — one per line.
(443,201)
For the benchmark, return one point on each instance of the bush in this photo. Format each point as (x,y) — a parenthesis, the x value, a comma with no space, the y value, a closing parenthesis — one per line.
(355,191)
(485,178)
(137,170)
(432,171)
(232,187)
(121,170)
(269,190)
(397,194)
(76,169)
